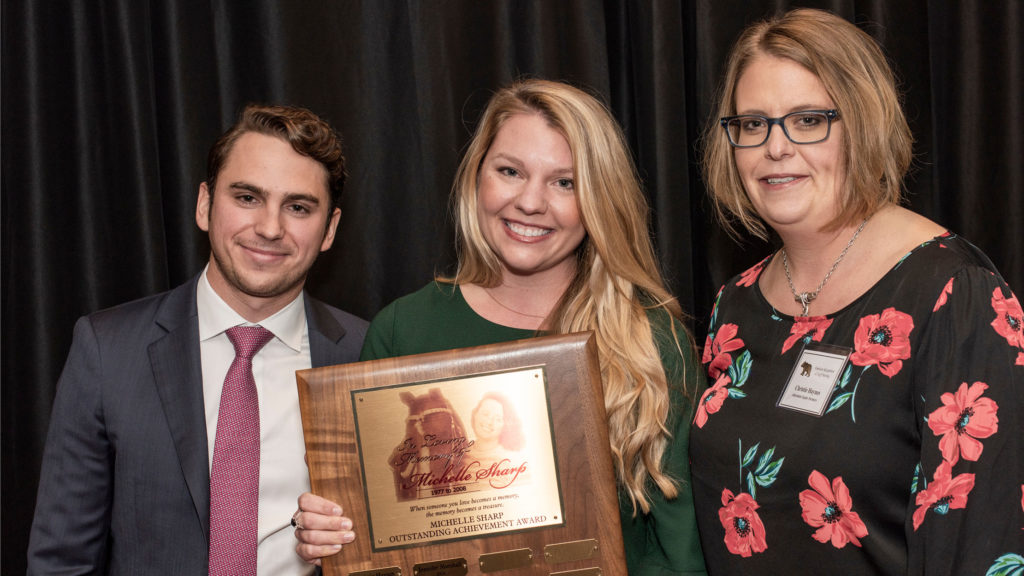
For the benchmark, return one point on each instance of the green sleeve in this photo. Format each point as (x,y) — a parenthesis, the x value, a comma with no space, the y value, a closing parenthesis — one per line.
(665,541)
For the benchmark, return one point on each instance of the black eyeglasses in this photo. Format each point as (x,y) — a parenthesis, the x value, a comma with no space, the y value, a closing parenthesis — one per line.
(802,127)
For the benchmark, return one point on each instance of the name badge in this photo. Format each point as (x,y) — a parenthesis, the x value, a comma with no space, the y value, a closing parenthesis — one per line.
(814,377)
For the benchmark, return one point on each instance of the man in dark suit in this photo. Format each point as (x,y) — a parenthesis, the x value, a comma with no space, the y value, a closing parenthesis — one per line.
(175,444)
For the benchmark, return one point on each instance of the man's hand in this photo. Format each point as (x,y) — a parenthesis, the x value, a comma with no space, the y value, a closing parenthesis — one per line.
(320,528)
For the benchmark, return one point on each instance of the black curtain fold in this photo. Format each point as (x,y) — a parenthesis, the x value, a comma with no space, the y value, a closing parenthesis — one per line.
(108,109)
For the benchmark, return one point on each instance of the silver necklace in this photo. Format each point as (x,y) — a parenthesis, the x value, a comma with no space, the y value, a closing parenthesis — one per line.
(513,310)
(805,298)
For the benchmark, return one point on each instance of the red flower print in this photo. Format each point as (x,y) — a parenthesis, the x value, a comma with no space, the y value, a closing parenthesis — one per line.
(711,400)
(717,351)
(1009,318)
(744,532)
(963,418)
(946,291)
(803,326)
(829,508)
(945,493)
(883,339)
(750,276)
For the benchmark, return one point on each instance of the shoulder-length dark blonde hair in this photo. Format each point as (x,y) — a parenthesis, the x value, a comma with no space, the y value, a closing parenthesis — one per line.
(877,144)
(617,277)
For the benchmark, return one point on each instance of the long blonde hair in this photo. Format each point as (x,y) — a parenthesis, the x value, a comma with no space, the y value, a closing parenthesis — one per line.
(877,143)
(617,278)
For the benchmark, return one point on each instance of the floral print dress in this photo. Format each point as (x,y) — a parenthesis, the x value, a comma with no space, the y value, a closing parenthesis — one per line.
(916,464)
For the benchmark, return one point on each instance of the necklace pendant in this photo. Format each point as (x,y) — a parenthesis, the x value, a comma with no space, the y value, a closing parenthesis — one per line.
(804,298)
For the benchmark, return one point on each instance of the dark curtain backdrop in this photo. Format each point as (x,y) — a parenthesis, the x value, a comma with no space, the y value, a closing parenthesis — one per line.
(109,107)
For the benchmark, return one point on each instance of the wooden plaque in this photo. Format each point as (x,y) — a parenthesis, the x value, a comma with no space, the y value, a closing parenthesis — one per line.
(434,500)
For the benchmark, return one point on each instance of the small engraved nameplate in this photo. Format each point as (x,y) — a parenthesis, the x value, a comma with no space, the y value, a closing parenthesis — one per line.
(389,571)
(449,567)
(570,551)
(581,572)
(507,560)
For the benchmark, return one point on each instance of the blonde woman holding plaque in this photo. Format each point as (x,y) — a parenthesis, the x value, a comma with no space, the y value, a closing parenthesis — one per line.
(553,237)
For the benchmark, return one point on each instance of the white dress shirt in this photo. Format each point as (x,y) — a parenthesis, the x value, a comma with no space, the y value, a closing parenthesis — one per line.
(283,472)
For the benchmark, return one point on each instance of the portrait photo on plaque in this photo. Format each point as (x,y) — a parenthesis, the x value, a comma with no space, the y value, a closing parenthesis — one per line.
(460,458)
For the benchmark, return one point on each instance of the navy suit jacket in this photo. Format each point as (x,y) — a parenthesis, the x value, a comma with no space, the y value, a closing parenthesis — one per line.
(125,482)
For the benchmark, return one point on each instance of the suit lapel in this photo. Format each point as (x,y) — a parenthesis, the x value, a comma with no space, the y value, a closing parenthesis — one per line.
(325,332)
(177,372)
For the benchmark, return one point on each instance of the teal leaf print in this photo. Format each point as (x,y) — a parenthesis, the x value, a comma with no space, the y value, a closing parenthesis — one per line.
(917,478)
(1007,565)
(714,309)
(843,397)
(749,457)
(838,401)
(845,378)
(765,473)
(736,393)
(900,263)
(739,370)
(767,476)
(767,470)
(765,459)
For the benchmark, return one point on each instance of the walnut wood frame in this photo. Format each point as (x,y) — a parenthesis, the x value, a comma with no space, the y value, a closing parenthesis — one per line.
(586,478)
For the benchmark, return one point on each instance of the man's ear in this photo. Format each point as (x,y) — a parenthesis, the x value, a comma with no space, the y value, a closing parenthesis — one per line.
(203,208)
(332,229)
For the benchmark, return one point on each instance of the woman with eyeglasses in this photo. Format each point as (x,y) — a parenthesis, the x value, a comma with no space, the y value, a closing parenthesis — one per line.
(863,414)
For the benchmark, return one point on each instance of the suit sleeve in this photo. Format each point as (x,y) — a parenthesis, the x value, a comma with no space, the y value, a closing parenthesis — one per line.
(70,530)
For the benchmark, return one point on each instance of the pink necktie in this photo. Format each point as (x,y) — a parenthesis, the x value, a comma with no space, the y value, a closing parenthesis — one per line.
(235,477)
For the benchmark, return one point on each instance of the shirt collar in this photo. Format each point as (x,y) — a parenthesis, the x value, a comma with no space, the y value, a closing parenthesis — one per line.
(215,316)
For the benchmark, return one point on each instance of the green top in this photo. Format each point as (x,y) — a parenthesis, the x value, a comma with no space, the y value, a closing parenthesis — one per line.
(663,542)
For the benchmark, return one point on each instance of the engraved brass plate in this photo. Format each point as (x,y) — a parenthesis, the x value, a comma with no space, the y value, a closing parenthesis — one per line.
(449,567)
(457,459)
(507,560)
(581,572)
(389,571)
(570,551)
